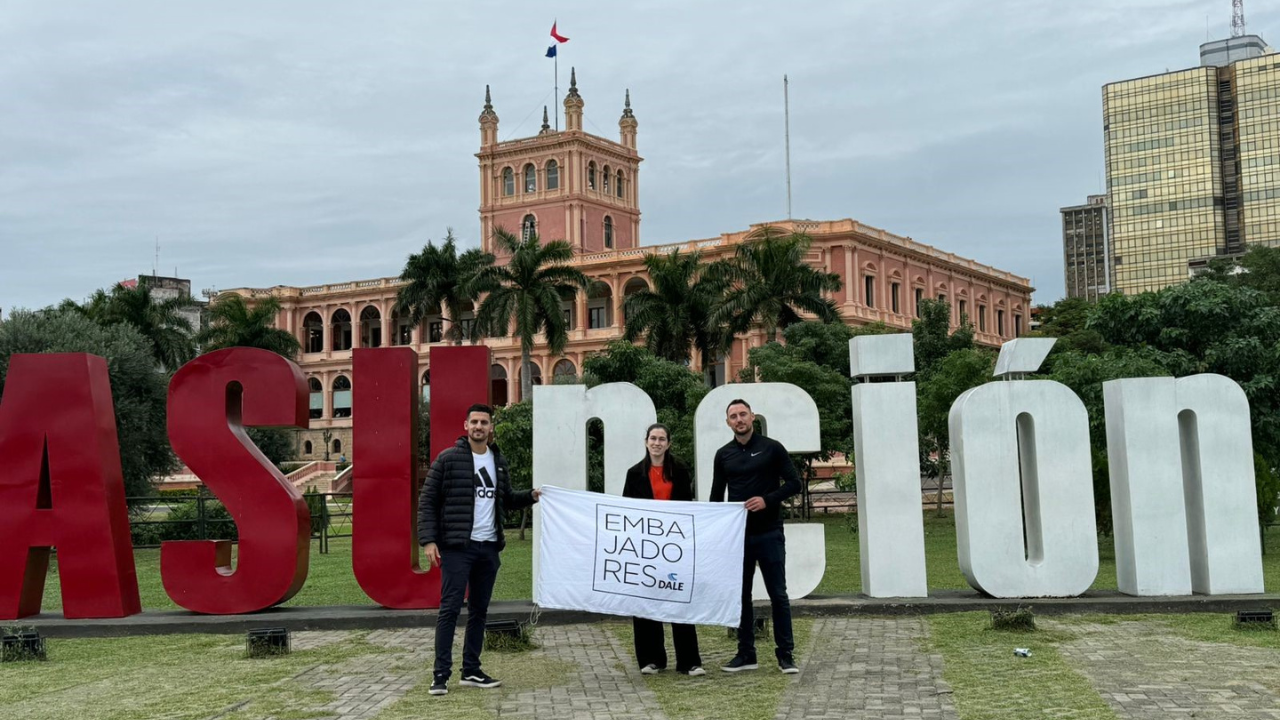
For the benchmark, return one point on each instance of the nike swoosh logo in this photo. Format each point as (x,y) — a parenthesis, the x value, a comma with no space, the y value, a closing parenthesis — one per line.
(755,454)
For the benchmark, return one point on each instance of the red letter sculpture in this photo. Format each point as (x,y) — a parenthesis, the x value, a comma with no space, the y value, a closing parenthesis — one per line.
(61,486)
(212,399)
(385,550)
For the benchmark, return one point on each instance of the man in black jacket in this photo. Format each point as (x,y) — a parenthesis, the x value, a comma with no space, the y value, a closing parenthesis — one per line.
(750,466)
(460,528)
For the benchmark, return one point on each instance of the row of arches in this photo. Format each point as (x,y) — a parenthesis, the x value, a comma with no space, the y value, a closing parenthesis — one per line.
(340,387)
(341,330)
(529,226)
(960,308)
(606,180)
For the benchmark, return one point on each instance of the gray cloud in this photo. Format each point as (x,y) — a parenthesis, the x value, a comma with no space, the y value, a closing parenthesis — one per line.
(311,142)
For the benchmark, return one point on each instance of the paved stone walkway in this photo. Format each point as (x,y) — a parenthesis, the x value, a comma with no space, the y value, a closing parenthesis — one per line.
(606,687)
(868,668)
(1143,671)
(855,667)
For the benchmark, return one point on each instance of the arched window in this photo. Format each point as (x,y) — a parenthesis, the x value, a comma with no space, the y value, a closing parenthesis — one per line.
(341,397)
(498,384)
(528,227)
(316,398)
(337,445)
(606,179)
(306,448)
(591,175)
(340,329)
(313,329)
(508,182)
(370,327)
(553,175)
(618,185)
(530,178)
(564,372)
(608,231)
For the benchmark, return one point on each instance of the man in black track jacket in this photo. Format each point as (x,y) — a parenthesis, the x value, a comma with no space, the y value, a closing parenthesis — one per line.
(751,467)
(460,515)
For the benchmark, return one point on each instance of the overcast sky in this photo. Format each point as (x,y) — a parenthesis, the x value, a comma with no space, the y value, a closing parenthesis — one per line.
(301,143)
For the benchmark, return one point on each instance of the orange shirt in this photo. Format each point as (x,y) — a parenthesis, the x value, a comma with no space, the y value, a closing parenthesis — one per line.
(661,488)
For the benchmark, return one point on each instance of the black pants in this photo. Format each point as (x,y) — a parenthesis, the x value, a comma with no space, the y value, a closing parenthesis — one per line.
(651,645)
(769,550)
(476,566)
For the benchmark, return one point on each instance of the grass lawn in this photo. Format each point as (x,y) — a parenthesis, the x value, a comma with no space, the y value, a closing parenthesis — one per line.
(331,582)
(174,676)
(990,683)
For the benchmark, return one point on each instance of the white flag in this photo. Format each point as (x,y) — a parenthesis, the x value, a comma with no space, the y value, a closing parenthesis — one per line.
(663,560)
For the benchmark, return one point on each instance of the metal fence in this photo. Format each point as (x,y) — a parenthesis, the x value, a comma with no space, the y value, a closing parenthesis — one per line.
(154,519)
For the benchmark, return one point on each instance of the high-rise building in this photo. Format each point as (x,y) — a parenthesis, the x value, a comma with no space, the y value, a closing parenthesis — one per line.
(1085,262)
(1191,160)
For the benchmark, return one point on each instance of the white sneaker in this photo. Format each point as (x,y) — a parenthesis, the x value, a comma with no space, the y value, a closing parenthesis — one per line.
(696,671)
(650,669)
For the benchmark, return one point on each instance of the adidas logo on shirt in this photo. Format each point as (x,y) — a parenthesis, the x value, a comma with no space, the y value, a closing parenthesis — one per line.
(483,484)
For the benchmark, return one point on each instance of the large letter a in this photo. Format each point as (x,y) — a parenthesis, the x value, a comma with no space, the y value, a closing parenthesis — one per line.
(61,486)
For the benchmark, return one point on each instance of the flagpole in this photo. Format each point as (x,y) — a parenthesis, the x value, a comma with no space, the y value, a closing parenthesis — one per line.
(786,110)
(555,99)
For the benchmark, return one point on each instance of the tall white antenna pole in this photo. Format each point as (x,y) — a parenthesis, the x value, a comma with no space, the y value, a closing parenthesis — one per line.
(786,110)
(1237,18)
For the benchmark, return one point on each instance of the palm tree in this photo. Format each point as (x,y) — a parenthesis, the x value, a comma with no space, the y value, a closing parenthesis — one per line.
(233,322)
(440,276)
(528,290)
(770,283)
(675,314)
(160,321)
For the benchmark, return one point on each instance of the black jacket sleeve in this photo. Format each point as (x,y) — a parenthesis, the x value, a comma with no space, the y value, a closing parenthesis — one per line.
(717,479)
(681,481)
(429,503)
(790,479)
(632,487)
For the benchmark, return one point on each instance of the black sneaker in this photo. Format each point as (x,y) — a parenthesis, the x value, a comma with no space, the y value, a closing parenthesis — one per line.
(479,679)
(438,687)
(740,663)
(787,666)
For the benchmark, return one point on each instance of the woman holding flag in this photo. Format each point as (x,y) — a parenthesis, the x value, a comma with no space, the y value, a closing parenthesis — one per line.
(660,476)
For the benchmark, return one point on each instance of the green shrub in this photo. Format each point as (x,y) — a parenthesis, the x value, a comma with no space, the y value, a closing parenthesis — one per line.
(507,642)
(1019,619)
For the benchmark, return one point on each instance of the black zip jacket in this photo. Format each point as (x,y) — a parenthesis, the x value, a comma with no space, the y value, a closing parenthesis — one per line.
(755,470)
(638,480)
(446,505)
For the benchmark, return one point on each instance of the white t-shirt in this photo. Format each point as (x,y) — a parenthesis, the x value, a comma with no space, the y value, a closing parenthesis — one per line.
(486,485)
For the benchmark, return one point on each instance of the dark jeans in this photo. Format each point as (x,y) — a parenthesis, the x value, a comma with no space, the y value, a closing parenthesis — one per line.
(475,565)
(769,549)
(651,645)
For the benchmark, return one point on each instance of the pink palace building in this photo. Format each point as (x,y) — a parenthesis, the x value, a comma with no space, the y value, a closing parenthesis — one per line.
(586,189)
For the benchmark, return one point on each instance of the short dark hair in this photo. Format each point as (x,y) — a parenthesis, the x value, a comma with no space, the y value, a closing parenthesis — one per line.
(480,407)
(738,401)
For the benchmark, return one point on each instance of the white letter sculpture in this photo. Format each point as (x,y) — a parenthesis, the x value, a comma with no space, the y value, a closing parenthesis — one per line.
(887,462)
(790,417)
(1182,486)
(1023,484)
(560,415)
